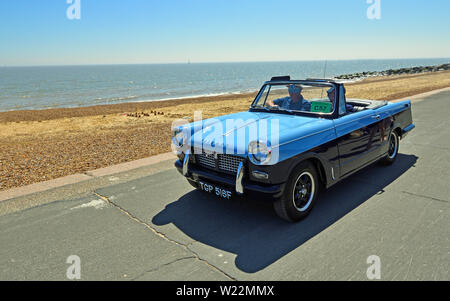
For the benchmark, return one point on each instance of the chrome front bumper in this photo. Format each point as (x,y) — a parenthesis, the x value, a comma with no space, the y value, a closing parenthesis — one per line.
(239,177)
(239,186)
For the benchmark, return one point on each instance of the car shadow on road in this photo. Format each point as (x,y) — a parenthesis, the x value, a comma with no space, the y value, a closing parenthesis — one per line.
(251,230)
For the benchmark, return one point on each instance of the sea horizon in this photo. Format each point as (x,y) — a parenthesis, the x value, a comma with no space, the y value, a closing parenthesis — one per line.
(68,86)
(224,62)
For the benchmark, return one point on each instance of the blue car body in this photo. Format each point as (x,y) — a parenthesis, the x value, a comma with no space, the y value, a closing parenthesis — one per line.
(338,145)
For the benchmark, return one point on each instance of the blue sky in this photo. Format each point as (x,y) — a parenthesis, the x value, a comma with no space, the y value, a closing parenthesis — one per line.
(169,31)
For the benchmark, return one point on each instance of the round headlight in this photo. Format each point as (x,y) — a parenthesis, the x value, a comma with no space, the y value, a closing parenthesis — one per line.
(178,137)
(259,152)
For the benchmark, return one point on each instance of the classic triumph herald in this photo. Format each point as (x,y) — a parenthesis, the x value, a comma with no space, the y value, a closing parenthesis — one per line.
(298,137)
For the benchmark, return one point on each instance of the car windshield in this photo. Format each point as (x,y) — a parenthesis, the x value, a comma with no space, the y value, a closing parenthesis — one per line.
(295,97)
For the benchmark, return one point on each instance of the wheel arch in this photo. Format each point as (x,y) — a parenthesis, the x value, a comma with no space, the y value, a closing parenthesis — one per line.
(316,162)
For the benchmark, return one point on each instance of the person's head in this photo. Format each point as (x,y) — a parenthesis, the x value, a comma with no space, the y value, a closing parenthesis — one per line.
(331,94)
(295,92)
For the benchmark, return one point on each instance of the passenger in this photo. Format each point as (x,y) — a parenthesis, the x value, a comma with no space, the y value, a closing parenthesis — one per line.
(332,97)
(331,94)
(295,101)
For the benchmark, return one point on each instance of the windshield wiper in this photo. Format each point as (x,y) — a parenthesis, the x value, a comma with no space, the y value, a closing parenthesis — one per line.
(268,109)
(273,109)
(286,110)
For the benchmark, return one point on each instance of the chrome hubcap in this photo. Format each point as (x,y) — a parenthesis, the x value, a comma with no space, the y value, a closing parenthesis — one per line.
(393,146)
(303,193)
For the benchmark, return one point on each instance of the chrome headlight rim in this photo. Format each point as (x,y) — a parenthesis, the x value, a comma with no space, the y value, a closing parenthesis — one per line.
(178,137)
(259,152)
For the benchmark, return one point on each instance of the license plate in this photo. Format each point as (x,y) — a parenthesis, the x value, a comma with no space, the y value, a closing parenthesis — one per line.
(218,191)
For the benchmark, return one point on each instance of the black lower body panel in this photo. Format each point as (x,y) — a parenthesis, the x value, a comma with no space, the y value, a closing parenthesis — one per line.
(250,188)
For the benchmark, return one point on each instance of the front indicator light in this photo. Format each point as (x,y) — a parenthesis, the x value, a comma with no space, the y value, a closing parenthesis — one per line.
(260,175)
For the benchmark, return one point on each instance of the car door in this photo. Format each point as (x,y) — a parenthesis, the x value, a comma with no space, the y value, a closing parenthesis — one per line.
(358,136)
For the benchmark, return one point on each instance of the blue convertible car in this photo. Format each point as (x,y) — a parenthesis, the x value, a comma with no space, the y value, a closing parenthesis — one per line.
(298,136)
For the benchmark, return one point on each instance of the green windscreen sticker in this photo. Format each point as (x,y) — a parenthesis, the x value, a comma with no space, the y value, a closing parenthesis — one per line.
(320,107)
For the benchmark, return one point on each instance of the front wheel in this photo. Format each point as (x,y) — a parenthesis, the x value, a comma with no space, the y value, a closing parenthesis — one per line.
(394,143)
(300,194)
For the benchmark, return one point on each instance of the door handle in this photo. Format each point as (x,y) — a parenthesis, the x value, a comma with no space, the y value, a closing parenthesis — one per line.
(376,117)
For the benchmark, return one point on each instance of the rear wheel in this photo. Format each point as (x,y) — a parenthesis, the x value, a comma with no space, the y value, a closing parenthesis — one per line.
(394,143)
(300,194)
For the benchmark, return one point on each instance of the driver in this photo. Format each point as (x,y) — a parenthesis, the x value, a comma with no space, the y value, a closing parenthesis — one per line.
(295,100)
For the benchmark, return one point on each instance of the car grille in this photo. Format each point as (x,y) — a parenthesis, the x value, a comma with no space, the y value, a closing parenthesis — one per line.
(229,163)
(225,162)
(206,160)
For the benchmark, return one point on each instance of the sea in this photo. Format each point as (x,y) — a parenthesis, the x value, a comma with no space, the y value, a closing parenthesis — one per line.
(30,88)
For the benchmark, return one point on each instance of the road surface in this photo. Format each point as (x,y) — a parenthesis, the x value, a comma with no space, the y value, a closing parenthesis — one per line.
(148,224)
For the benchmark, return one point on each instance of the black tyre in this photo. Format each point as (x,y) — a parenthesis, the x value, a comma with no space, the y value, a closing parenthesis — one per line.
(300,194)
(394,145)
